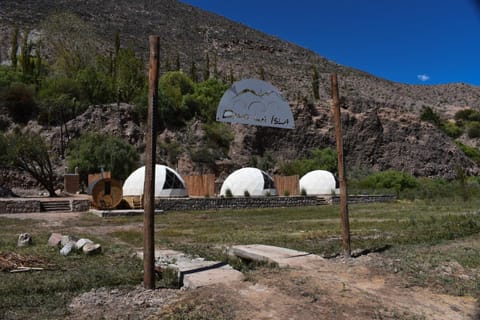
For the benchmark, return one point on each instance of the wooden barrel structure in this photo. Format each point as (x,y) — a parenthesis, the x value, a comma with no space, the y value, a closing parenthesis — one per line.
(106,193)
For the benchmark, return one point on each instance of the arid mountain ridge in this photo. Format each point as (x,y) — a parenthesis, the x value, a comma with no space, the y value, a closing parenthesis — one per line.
(380,118)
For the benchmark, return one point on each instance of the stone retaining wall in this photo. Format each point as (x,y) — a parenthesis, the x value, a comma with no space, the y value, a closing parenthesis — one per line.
(80,205)
(19,206)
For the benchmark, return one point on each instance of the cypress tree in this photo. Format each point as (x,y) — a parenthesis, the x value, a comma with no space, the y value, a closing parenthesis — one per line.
(215,68)
(206,71)
(193,71)
(14,49)
(177,62)
(262,73)
(315,83)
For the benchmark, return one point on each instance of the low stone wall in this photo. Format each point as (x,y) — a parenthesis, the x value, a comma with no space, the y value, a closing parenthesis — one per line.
(80,205)
(192,204)
(364,198)
(19,206)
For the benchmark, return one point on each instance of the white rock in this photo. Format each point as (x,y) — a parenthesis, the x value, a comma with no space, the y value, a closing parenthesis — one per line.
(80,243)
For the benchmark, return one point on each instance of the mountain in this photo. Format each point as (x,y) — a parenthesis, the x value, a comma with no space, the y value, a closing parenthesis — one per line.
(380,118)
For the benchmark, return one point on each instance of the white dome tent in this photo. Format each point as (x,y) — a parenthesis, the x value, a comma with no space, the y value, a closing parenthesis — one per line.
(168,183)
(255,181)
(318,182)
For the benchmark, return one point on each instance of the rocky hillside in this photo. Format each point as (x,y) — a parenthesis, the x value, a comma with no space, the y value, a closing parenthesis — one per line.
(380,118)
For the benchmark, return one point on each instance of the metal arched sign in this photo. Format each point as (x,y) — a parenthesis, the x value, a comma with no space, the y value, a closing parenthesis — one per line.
(255,102)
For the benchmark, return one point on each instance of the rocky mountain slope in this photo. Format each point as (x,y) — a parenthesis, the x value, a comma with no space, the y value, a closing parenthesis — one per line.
(380,118)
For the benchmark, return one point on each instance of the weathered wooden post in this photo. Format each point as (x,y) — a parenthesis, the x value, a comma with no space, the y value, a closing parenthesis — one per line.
(149,187)
(341,168)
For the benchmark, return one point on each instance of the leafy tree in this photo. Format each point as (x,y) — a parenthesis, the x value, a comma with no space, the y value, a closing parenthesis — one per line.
(173,86)
(93,150)
(28,152)
(60,100)
(130,78)
(204,101)
(95,83)
(320,159)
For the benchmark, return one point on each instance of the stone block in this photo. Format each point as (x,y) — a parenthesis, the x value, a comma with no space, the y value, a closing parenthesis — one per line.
(55,239)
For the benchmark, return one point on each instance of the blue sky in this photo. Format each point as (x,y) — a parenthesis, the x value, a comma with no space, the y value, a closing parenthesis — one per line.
(408,41)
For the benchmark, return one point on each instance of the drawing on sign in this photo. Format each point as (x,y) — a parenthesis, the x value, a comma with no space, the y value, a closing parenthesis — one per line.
(255,102)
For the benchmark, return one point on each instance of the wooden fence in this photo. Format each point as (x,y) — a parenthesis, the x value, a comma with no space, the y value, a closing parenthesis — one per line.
(200,186)
(287,184)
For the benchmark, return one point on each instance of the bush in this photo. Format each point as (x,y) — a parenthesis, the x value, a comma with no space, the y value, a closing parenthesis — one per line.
(467,115)
(246,193)
(452,130)
(219,135)
(389,180)
(320,159)
(471,152)
(228,193)
(303,192)
(286,193)
(19,101)
(473,131)
(429,115)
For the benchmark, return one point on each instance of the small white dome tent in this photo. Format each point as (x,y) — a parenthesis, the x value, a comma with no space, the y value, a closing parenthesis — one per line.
(318,182)
(253,180)
(168,183)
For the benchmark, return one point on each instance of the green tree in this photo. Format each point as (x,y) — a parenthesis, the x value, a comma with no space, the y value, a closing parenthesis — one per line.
(205,99)
(130,75)
(28,152)
(173,86)
(93,150)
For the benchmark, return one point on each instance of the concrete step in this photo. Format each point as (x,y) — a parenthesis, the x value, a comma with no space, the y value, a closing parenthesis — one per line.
(283,257)
(57,205)
(195,272)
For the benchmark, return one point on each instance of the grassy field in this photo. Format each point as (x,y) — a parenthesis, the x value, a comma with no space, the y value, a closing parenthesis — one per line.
(423,241)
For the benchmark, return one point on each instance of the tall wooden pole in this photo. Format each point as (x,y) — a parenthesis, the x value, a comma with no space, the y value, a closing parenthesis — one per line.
(149,188)
(341,168)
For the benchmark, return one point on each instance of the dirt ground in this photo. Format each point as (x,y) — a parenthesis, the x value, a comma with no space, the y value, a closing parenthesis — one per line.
(322,289)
